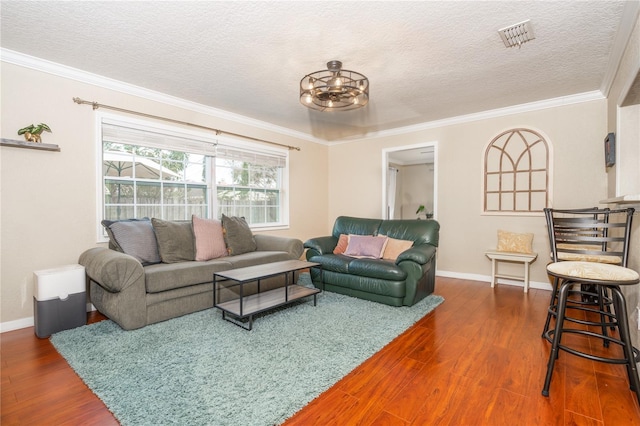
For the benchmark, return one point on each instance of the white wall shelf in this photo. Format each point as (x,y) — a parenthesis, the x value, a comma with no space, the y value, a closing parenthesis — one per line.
(29,145)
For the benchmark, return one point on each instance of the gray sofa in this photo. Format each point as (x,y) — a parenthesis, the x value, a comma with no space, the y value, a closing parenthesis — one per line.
(134,295)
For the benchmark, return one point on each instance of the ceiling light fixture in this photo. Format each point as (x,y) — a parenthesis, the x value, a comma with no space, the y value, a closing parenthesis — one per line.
(334,89)
(517,34)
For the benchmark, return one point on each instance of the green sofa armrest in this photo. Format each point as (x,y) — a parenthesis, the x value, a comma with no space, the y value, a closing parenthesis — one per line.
(421,254)
(320,245)
(112,270)
(293,246)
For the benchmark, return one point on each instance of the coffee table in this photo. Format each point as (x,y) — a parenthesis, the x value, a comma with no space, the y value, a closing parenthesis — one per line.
(238,310)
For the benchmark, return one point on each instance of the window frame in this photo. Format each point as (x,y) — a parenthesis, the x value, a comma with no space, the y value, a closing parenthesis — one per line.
(179,132)
(546,142)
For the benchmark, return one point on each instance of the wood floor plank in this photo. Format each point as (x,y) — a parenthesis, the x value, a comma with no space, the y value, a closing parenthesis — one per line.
(338,401)
(386,419)
(575,419)
(618,402)
(454,400)
(478,359)
(377,393)
(581,391)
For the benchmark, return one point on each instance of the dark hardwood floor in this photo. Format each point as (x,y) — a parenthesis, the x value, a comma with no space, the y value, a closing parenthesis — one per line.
(478,359)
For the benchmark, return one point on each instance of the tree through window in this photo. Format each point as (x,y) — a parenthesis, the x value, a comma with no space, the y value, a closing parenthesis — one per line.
(516,172)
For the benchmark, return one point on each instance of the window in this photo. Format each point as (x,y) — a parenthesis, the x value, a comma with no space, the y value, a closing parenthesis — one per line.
(516,173)
(167,173)
(248,184)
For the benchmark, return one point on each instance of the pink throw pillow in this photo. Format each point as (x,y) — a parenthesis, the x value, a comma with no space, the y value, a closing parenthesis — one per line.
(366,246)
(209,239)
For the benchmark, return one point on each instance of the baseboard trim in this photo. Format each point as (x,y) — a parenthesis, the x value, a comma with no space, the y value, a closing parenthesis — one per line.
(28,322)
(16,325)
(487,279)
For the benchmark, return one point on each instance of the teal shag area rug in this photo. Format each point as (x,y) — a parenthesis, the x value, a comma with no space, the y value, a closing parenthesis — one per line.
(201,370)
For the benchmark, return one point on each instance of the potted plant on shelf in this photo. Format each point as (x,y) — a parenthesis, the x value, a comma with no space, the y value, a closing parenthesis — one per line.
(422,211)
(32,133)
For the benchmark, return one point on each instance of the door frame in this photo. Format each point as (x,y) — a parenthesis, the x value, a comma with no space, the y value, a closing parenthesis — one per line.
(385,168)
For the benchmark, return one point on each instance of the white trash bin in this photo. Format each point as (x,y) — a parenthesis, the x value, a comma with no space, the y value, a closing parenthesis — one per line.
(59,299)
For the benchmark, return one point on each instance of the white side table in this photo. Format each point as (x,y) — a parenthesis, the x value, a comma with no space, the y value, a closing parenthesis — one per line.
(524,258)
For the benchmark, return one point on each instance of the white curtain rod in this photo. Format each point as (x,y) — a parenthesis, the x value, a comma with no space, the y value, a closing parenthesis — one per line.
(96,105)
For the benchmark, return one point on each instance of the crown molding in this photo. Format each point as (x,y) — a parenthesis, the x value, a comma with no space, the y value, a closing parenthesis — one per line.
(485,115)
(38,64)
(630,14)
(43,65)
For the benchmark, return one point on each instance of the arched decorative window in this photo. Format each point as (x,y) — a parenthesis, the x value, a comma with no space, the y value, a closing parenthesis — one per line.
(516,173)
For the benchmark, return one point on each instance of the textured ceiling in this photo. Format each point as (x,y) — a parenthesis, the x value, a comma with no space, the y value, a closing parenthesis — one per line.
(426,60)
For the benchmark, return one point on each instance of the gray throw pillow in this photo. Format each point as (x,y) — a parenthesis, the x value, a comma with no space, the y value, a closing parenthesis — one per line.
(134,237)
(237,235)
(175,240)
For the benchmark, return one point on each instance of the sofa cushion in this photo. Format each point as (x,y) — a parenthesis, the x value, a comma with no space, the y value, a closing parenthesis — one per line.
(359,284)
(333,262)
(353,225)
(256,258)
(163,276)
(376,268)
(237,235)
(418,231)
(134,237)
(175,240)
(394,247)
(209,239)
(365,246)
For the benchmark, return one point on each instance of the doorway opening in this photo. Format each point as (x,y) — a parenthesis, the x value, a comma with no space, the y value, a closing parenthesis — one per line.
(410,181)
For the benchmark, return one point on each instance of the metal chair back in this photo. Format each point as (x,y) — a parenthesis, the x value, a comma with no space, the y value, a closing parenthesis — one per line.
(591,235)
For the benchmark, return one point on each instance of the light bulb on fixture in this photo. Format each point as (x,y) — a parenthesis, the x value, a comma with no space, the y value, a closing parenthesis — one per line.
(334,89)
(335,81)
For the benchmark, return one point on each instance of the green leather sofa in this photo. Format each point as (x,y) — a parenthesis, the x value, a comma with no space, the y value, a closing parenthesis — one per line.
(403,282)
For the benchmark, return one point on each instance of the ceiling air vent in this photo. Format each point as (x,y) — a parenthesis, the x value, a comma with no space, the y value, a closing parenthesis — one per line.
(518,34)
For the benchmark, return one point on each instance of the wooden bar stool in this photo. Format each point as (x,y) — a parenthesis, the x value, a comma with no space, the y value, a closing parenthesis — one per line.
(601,275)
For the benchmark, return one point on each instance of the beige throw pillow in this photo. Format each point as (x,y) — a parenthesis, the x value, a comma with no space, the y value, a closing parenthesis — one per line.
(395,247)
(513,242)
